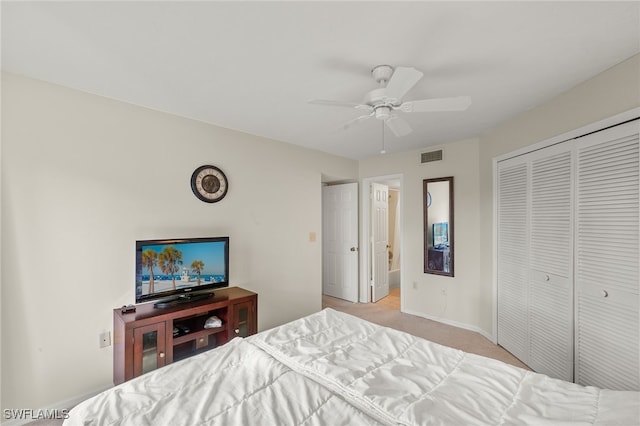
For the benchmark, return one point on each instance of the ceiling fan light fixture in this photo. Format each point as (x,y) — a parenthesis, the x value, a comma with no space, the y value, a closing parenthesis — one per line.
(383,112)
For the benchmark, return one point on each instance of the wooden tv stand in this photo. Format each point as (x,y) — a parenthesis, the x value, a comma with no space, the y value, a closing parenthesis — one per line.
(145,339)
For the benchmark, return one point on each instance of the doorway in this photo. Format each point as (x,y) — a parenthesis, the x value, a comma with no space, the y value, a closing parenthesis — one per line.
(370,260)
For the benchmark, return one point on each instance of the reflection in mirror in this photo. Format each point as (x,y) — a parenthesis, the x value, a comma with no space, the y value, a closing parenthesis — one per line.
(438,226)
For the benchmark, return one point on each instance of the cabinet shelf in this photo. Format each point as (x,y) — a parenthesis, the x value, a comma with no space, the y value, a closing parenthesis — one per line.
(143,340)
(195,335)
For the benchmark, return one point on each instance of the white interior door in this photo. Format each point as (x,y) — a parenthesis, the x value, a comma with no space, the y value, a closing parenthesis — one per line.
(550,286)
(535,297)
(513,267)
(606,265)
(340,241)
(380,241)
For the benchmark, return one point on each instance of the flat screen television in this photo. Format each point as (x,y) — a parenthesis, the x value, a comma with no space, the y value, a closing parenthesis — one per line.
(171,271)
(440,235)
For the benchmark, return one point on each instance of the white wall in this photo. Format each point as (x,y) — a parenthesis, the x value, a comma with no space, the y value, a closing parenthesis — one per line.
(83,177)
(460,304)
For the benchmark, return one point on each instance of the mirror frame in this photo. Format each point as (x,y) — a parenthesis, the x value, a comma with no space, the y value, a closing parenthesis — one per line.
(425,195)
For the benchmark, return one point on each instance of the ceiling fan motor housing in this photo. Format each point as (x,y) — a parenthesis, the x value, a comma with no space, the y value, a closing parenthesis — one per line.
(383,112)
(382,73)
(378,98)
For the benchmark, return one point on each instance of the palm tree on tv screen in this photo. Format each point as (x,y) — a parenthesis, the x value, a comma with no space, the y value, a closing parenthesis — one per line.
(149,261)
(197,266)
(169,261)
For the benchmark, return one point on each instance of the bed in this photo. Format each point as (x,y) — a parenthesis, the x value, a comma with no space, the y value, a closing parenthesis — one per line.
(331,368)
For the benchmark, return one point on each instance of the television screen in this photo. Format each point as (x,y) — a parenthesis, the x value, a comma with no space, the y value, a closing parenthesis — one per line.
(440,235)
(173,268)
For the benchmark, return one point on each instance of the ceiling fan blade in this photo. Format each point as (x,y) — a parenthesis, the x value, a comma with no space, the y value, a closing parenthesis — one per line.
(398,126)
(459,103)
(401,81)
(336,103)
(356,121)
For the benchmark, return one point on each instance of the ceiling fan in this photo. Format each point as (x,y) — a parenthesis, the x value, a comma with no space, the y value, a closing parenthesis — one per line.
(383,102)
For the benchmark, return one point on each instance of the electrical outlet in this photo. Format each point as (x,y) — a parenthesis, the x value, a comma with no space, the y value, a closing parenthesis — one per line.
(105,339)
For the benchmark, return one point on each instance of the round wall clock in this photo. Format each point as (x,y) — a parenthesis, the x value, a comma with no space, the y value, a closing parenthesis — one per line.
(209,184)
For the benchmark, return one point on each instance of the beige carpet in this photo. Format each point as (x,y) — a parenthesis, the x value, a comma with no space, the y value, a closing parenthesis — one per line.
(386,312)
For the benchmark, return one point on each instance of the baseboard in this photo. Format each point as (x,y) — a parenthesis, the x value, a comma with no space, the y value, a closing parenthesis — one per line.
(57,408)
(452,323)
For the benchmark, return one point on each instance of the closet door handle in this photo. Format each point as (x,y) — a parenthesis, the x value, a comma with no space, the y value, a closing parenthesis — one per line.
(547,277)
(605,293)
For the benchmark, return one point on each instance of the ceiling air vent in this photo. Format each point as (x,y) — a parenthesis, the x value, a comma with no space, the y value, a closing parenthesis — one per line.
(428,157)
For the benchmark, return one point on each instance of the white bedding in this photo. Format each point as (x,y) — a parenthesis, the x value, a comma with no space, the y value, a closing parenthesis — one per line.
(235,384)
(412,381)
(331,368)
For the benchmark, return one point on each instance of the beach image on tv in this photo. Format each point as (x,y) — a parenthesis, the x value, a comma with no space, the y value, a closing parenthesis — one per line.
(173,266)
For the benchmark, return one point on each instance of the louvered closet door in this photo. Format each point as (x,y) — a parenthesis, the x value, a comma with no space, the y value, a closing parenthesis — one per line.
(550,289)
(606,268)
(512,244)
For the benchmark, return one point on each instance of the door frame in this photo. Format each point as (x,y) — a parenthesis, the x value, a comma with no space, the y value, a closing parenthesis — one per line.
(365,237)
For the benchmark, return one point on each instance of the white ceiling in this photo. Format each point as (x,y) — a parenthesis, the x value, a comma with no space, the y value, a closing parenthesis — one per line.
(253,66)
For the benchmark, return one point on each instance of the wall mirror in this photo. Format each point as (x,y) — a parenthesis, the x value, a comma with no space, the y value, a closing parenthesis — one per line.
(438,225)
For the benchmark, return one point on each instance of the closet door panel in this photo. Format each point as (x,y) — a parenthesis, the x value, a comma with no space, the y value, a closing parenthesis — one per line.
(607,254)
(551,263)
(512,249)
(606,356)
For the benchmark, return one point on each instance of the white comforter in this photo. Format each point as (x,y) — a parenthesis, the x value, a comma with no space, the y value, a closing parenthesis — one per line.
(235,384)
(407,380)
(331,368)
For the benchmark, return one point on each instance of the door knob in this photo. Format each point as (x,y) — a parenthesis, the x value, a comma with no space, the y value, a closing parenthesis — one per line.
(161,354)
(354,249)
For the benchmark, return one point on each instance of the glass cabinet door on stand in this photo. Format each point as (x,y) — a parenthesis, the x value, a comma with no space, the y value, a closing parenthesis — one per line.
(243,319)
(149,348)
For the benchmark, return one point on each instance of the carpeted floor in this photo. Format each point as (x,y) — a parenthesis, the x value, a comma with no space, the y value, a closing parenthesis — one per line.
(386,312)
